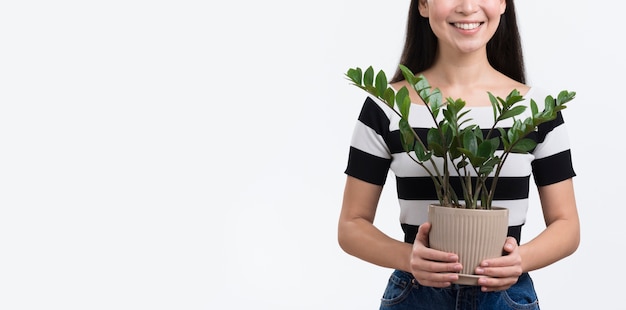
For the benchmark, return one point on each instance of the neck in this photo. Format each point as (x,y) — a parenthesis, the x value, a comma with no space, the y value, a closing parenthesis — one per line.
(460,69)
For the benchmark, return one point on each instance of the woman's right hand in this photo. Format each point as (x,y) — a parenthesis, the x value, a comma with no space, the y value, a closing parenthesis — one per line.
(432,267)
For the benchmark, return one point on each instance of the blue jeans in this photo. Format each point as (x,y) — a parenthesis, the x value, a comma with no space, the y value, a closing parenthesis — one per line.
(403,292)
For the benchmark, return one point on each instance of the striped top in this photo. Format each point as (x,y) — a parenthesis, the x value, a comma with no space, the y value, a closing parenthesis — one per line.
(376,148)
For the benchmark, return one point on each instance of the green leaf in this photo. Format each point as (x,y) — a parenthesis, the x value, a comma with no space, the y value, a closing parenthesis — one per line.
(435,143)
(403,101)
(514,132)
(462,114)
(564,97)
(488,147)
(513,97)
(437,149)
(515,111)
(489,165)
(381,83)
(494,161)
(371,89)
(389,97)
(423,89)
(477,132)
(454,144)
(408,139)
(408,75)
(503,138)
(485,169)
(533,108)
(355,75)
(495,106)
(435,102)
(469,142)
(523,146)
(456,105)
(549,104)
(450,118)
(475,160)
(421,154)
(368,77)
(448,136)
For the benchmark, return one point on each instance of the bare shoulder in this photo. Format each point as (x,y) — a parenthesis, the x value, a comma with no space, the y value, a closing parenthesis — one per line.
(506,85)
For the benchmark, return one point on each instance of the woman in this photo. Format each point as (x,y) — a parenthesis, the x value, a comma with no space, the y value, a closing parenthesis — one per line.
(465,48)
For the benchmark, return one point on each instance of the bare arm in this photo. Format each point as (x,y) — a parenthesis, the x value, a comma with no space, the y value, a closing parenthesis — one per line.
(557,241)
(562,234)
(359,237)
(357,234)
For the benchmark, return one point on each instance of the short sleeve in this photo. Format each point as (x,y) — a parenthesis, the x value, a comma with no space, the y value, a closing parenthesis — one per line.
(369,157)
(553,159)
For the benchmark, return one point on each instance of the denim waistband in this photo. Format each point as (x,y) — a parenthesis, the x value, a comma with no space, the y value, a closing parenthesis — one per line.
(410,231)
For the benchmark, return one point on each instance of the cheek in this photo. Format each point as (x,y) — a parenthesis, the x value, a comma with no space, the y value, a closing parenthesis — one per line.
(498,8)
(437,15)
(494,14)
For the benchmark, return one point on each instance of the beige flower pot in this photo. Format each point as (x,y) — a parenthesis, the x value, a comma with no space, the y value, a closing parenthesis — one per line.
(472,234)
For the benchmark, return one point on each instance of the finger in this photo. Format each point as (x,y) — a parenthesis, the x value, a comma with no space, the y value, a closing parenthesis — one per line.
(428,253)
(509,259)
(495,284)
(437,279)
(433,261)
(435,284)
(510,244)
(436,256)
(502,261)
(500,272)
(437,267)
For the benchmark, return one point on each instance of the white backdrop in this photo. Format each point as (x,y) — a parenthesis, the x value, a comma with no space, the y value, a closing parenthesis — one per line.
(190,154)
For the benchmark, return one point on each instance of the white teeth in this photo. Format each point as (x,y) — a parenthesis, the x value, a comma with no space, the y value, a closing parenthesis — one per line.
(468,26)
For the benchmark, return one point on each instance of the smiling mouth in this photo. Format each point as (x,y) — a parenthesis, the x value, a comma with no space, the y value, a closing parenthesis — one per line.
(467,26)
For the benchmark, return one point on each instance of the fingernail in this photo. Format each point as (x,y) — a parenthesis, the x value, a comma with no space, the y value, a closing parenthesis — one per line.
(480,271)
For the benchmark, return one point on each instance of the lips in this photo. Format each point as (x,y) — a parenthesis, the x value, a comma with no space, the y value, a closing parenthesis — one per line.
(467,26)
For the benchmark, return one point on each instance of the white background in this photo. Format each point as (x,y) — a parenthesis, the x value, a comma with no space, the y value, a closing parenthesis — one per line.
(190,154)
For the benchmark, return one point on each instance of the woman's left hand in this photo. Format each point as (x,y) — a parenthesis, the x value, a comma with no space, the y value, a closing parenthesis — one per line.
(501,272)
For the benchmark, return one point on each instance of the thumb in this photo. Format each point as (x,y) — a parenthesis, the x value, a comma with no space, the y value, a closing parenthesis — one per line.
(510,244)
(422,233)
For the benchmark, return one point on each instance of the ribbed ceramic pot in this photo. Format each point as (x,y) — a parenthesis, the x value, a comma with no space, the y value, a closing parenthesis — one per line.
(472,234)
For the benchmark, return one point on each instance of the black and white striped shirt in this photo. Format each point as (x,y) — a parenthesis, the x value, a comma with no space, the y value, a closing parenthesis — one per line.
(376,148)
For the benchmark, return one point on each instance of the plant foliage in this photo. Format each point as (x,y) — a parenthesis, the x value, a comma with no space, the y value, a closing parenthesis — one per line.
(453,137)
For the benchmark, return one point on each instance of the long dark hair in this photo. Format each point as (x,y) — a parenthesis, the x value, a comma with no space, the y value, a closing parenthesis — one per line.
(504,50)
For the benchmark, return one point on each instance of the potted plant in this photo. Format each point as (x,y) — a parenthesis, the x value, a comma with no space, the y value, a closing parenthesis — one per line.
(475,155)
